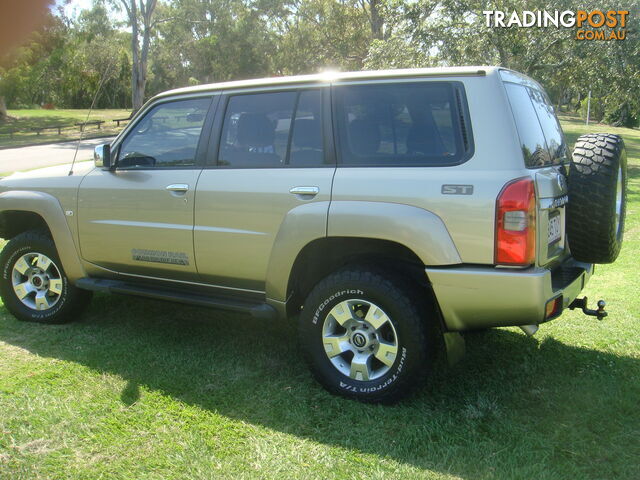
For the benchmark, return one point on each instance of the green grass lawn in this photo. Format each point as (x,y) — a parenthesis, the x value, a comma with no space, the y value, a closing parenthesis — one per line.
(147,390)
(18,132)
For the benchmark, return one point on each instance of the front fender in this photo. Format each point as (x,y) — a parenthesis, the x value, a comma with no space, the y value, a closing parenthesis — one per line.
(48,207)
(419,230)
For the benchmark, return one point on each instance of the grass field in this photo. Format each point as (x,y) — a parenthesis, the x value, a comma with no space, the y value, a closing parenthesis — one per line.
(19,132)
(147,390)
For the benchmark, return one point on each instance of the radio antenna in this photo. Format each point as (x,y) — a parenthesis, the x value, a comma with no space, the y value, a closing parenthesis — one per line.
(102,80)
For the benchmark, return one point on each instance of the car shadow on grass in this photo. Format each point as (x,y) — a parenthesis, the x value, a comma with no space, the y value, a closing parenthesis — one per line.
(515,407)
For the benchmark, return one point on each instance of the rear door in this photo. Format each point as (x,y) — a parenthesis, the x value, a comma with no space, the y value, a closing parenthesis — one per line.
(138,218)
(545,152)
(269,155)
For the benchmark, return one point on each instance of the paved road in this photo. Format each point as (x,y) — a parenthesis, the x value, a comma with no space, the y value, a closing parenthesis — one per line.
(28,158)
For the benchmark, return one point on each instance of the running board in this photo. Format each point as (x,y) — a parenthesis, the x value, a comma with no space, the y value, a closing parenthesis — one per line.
(258,310)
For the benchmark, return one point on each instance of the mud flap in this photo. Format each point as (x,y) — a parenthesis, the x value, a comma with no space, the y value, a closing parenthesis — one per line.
(455,347)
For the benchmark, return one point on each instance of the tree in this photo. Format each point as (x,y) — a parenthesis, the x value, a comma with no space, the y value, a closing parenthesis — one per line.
(323,34)
(454,32)
(30,73)
(98,50)
(185,42)
(139,16)
(25,17)
(65,62)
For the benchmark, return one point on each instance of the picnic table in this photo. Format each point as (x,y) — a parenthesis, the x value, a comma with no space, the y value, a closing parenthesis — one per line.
(90,122)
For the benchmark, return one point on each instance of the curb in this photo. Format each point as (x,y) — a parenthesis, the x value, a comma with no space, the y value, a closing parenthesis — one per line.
(54,142)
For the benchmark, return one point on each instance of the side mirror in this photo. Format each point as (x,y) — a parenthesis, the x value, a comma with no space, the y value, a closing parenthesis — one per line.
(102,156)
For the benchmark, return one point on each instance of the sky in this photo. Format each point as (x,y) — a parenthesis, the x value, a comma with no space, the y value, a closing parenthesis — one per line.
(73,7)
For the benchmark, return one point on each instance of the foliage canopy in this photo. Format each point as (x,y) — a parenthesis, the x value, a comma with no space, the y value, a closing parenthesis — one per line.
(198,41)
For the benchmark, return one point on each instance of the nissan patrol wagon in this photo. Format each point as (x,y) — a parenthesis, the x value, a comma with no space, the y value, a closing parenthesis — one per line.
(384,211)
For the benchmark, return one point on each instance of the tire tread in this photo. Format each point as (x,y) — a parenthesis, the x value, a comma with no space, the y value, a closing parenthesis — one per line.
(593,174)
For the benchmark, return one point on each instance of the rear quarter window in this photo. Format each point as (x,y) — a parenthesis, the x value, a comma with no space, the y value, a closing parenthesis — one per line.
(402,124)
(551,128)
(541,136)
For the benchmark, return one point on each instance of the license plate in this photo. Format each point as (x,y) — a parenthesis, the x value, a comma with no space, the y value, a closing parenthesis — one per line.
(554,228)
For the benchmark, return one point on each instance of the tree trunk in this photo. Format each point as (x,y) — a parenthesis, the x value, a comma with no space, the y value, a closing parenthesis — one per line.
(376,20)
(502,54)
(139,55)
(578,103)
(560,100)
(3,111)
(136,101)
(147,12)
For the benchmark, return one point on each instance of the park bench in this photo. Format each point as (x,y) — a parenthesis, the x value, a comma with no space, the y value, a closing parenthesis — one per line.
(9,131)
(98,123)
(118,120)
(50,127)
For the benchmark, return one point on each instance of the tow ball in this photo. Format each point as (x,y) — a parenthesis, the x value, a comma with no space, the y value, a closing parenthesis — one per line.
(582,303)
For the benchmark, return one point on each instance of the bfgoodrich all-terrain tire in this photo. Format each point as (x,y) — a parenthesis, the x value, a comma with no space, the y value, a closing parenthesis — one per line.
(597,198)
(33,284)
(365,335)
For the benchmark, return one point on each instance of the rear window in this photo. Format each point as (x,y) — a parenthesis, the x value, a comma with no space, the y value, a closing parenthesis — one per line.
(406,124)
(540,133)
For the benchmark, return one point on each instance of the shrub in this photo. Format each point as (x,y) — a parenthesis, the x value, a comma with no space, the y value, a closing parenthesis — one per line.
(620,112)
(596,111)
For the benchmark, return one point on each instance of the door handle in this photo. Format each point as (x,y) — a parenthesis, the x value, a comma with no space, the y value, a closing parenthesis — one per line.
(177,189)
(305,191)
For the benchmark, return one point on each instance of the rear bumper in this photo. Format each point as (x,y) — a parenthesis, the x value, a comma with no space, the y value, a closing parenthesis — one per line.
(473,297)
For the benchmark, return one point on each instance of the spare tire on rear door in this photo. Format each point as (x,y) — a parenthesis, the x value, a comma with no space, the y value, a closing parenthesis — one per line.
(597,197)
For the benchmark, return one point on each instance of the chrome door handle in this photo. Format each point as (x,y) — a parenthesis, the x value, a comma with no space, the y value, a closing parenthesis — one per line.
(177,188)
(305,191)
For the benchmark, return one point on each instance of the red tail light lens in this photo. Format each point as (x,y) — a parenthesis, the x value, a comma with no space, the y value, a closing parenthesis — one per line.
(516,223)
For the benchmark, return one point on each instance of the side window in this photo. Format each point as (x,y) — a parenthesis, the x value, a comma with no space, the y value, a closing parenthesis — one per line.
(306,135)
(256,128)
(534,147)
(540,133)
(167,136)
(550,126)
(268,130)
(410,124)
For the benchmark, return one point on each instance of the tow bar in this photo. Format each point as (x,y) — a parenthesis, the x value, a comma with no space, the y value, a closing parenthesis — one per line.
(582,303)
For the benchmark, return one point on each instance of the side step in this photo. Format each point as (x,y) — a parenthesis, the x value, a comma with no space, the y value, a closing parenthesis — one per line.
(258,310)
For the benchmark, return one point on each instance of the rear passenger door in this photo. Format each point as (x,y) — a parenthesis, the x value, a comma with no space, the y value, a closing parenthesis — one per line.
(402,142)
(270,155)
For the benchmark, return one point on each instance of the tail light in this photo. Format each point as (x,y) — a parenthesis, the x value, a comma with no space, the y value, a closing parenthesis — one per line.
(516,223)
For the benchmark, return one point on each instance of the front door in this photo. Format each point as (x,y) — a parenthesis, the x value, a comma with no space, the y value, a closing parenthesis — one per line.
(138,218)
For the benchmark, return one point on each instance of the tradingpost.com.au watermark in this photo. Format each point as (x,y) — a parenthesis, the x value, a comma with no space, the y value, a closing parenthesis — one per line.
(591,25)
